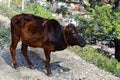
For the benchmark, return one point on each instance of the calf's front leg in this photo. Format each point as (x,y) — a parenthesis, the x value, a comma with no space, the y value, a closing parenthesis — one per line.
(47,62)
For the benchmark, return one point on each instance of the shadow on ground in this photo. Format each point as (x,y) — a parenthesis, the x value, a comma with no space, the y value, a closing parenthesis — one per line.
(37,60)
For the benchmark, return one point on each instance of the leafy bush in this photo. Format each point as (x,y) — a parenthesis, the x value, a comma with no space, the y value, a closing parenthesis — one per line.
(17,2)
(34,8)
(104,21)
(117,22)
(86,25)
(3,33)
(101,23)
(91,55)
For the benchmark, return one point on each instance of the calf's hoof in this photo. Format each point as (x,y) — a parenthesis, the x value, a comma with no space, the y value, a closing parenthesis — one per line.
(14,66)
(31,66)
(49,73)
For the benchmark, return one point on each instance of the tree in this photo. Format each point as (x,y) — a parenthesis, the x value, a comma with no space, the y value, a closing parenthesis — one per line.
(103,23)
(108,22)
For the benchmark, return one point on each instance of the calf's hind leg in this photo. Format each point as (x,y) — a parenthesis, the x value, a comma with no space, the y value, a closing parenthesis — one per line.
(24,51)
(15,40)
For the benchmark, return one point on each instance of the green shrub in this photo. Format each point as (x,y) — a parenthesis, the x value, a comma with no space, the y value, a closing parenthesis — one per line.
(3,33)
(34,8)
(91,55)
(101,23)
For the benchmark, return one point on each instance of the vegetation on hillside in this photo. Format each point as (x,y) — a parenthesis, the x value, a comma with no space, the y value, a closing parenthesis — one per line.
(32,8)
(93,56)
(36,9)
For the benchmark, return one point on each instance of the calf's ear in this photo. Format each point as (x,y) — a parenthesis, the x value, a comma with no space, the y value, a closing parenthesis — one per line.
(66,28)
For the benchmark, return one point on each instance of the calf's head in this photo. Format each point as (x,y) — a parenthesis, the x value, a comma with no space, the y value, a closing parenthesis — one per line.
(72,37)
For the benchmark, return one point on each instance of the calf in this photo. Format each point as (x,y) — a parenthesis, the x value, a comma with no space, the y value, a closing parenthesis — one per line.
(43,33)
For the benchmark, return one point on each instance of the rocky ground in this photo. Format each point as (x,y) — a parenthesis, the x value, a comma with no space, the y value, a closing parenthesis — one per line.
(65,65)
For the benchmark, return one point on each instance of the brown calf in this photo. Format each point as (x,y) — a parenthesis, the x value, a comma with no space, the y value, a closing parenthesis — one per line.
(48,34)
